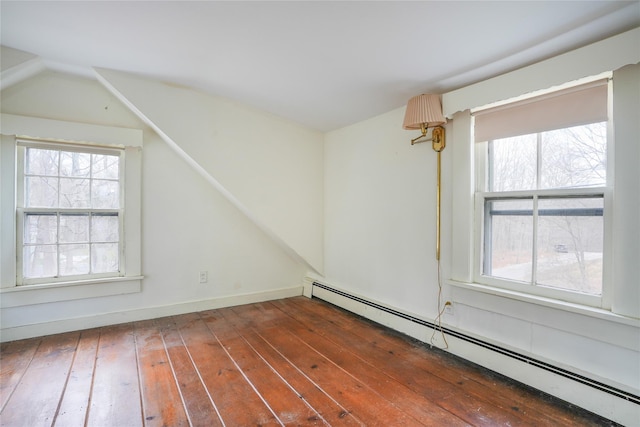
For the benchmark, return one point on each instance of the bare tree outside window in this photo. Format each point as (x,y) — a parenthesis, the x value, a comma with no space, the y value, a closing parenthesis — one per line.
(574,157)
(547,239)
(513,163)
(71,213)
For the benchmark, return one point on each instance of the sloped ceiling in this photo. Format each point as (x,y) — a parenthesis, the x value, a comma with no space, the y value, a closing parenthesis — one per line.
(323,64)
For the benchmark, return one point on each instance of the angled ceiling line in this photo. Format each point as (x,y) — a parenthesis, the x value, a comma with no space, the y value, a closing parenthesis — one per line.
(291,252)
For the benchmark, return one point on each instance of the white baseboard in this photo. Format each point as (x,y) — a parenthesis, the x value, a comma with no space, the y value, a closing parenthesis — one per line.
(307,284)
(113,318)
(590,397)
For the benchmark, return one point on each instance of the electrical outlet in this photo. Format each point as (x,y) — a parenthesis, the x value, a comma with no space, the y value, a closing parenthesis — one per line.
(448,308)
(204,277)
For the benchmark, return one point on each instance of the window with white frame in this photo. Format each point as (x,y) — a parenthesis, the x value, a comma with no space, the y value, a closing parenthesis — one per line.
(541,189)
(69,211)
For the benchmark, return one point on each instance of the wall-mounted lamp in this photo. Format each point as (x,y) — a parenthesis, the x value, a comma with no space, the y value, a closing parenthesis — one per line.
(424,112)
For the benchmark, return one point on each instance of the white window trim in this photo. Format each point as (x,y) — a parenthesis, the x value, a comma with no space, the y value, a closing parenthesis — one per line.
(68,291)
(541,301)
(618,300)
(36,128)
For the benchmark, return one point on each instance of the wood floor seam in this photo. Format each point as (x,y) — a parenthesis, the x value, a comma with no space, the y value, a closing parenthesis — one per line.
(289,362)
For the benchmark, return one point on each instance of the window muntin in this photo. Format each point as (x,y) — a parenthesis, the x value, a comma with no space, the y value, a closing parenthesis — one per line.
(540,197)
(70,212)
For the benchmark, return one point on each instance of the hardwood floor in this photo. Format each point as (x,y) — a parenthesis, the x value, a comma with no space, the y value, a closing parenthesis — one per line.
(288,362)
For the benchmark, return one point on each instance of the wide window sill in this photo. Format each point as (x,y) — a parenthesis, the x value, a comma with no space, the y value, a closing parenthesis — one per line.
(598,313)
(18,296)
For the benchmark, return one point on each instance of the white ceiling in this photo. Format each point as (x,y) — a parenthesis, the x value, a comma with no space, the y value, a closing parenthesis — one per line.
(324,64)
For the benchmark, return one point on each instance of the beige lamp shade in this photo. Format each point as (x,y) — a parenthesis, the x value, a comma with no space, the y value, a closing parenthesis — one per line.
(425,108)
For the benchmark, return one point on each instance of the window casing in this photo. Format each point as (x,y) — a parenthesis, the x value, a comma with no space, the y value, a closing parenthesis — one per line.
(103,139)
(541,192)
(70,210)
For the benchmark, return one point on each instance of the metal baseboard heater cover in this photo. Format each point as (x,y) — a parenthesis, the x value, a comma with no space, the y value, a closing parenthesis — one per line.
(506,352)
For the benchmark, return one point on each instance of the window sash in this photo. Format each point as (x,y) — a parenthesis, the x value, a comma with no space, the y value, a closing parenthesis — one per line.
(22,211)
(531,287)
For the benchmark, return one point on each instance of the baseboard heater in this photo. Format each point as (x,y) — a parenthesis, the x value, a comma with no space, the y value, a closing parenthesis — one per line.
(506,352)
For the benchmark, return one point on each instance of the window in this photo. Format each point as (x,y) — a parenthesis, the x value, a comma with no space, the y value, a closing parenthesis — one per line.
(541,186)
(69,212)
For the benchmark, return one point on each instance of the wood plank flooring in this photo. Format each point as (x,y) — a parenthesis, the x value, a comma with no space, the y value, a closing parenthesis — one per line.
(289,362)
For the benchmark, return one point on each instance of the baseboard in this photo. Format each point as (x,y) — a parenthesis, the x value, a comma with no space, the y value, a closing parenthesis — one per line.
(113,318)
(605,400)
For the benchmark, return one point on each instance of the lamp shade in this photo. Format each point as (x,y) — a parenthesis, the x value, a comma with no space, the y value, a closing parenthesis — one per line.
(425,108)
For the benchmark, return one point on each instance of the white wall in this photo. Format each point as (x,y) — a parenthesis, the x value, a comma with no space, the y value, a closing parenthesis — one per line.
(380,237)
(187,227)
(380,213)
(269,167)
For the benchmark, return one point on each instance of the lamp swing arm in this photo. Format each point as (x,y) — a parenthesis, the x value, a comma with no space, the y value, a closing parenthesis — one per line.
(417,140)
(437,138)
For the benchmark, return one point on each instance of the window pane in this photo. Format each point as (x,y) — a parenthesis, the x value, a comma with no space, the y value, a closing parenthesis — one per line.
(41,192)
(509,239)
(570,244)
(74,259)
(513,163)
(574,157)
(40,261)
(105,166)
(74,193)
(75,164)
(74,228)
(78,233)
(104,258)
(105,194)
(104,228)
(41,162)
(40,229)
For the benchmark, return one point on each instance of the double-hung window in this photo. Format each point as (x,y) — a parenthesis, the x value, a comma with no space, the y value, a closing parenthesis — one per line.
(541,193)
(69,212)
